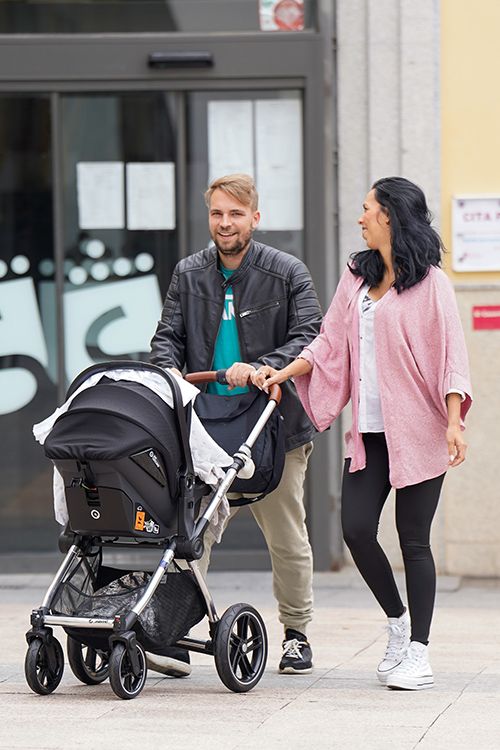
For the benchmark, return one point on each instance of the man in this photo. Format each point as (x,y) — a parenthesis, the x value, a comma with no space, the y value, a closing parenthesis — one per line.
(240,305)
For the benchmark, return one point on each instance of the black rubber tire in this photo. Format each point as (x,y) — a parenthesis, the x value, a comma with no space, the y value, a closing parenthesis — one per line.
(90,666)
(240,648)
(124,683)
(40,677)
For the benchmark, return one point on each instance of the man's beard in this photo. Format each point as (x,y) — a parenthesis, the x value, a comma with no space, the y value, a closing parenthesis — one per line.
(232,251)
(237,249)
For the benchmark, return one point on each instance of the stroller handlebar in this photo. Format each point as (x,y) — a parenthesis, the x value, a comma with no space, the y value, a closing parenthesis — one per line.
(219,376)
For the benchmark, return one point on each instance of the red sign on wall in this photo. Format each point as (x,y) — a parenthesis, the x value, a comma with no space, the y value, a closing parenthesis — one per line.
(485,317)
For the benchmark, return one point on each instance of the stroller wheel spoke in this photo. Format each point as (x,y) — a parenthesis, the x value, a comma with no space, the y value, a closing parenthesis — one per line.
(89,665)
(44,676)
(254,643)
(234,641)
(91,659)
(245,666)
(242,626)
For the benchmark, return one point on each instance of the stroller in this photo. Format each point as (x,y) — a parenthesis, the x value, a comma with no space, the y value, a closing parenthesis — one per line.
(129,484)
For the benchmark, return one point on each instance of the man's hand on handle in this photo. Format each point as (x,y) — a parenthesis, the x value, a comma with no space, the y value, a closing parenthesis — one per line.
(239,374)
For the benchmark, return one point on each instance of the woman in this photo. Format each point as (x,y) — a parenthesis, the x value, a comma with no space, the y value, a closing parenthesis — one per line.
(392,343)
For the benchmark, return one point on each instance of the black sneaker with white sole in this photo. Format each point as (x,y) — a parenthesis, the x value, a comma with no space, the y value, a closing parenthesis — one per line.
(175,663)
(297,654)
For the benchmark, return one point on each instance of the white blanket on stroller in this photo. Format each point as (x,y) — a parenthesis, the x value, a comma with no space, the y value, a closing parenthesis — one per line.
(208,457)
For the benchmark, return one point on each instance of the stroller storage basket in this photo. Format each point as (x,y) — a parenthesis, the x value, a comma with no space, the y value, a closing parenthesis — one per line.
(99,591)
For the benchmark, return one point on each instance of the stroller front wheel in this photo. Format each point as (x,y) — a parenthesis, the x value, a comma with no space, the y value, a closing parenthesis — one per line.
(124,682)
(44,665)
(88,665)
(240,648)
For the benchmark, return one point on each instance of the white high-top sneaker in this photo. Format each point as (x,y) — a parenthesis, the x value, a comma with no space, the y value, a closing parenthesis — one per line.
(414,672)
(397,645)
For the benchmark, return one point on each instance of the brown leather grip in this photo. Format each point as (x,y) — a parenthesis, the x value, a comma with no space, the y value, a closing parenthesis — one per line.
(213,376)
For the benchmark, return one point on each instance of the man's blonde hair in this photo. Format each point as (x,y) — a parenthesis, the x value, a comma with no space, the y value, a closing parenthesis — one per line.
(239,186)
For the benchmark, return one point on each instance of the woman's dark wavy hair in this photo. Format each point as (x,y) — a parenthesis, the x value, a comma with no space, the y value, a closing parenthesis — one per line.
(416,246)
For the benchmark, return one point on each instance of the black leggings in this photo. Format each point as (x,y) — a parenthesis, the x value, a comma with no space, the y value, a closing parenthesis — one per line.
(363,496)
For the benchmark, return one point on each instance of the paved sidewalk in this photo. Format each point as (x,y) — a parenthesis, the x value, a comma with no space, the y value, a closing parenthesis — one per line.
(340,705)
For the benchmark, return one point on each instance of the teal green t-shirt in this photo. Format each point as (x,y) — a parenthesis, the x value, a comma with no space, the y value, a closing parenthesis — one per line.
(227,345)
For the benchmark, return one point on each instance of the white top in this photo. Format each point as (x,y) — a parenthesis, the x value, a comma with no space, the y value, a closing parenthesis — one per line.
(370,411)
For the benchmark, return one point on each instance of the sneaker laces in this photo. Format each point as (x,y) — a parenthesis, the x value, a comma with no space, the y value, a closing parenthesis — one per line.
(414,658)
(291,648)
(396,640)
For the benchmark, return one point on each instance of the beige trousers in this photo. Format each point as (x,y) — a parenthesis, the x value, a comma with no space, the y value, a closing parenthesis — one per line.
(281,517)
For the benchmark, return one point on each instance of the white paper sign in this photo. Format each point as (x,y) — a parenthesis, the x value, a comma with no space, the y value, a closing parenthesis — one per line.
(476,233)
(150,195)
(279,163)
(100,195)
(230,138)
(262,138)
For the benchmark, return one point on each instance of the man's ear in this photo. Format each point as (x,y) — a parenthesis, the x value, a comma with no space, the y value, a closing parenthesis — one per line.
(255,220)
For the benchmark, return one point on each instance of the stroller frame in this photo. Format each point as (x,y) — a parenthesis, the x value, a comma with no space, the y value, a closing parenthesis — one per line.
(238,638)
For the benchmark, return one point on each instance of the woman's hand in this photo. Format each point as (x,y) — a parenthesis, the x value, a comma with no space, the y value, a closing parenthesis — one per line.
(454,434)
(457,446)
(265,376)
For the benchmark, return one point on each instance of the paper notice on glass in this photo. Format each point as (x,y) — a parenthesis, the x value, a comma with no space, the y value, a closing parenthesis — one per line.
(230,138)
(279,163)
(100,195)
(476,233)
(151,195)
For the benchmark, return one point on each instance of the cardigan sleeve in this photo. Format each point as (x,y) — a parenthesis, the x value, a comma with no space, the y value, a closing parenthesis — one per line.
(325,390)
(456,372)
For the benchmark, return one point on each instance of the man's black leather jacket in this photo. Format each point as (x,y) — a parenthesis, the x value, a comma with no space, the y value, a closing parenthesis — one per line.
(277,315)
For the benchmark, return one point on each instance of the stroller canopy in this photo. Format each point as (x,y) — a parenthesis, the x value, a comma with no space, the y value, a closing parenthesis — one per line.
(114,419)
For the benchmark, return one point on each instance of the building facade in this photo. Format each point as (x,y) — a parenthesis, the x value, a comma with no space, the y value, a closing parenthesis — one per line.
(114,118)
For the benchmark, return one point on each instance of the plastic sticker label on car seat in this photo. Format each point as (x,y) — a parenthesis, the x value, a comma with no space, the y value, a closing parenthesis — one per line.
(145,524)
(140,517)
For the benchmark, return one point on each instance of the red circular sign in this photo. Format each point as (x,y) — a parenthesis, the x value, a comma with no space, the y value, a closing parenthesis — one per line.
(289,15)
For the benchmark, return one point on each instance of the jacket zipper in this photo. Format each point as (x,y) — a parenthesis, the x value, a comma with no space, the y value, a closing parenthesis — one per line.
(244,355)
(245,313)
(210,363)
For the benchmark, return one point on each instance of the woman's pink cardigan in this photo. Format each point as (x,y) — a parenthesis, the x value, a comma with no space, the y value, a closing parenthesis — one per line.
(420,354)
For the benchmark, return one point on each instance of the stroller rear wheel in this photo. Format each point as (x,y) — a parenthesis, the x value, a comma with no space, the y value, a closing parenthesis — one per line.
(89,665)
(240,648)
(124,682)
(44,665)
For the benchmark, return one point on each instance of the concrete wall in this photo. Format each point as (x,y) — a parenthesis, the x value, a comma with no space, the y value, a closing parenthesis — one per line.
(417,97)
(388,102)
